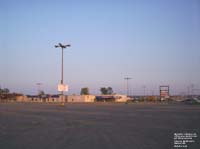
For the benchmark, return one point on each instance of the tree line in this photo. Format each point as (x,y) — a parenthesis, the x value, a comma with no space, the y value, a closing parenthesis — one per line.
(84,91)
(103,90)
(4,91)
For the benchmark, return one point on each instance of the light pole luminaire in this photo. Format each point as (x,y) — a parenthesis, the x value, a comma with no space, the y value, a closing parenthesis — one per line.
(39,87)
(127,87)
(62,67)
(62,58)
(144,87)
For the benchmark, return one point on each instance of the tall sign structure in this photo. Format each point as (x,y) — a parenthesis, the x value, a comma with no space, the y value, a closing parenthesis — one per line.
(164,92)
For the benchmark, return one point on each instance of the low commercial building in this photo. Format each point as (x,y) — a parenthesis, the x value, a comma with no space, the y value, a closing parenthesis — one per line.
(120,98)
(45,98)
(21,98)
(55,98)
(80,98)
(33,98)
(112,98)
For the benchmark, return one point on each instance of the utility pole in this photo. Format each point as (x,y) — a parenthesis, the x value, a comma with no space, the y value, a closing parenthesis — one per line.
(127,85)
(62,59)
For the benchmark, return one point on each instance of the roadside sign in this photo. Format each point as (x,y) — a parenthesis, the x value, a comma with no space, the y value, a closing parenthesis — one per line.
(62,87)
(164,92)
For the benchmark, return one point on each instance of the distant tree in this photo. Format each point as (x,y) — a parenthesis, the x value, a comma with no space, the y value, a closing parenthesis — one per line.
(106,91)
(4,91)
(109,90)
(85,91)
(41,94)
(103,90)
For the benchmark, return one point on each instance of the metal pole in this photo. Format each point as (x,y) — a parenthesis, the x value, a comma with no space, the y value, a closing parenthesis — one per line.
(62,76)
(127,88)
(144,90)
(188,90)
(127,79)
(39,87)
(62,68)
(62,57)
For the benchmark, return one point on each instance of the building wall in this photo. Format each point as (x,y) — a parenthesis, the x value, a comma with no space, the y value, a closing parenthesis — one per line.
(70,98)
(120,98)
(37,99)
(21,98)
(112,98)
(56,99)
(34,99)
(81,98)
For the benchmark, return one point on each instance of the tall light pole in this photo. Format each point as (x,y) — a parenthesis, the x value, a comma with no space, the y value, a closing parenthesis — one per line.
(192,89)
(39,87)
(62,48)
(127,87)
(144,87)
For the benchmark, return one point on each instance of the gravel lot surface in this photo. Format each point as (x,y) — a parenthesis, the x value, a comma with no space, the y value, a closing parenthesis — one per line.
(96,125)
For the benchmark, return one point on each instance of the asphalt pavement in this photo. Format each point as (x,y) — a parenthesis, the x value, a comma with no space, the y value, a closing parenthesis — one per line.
(96,125)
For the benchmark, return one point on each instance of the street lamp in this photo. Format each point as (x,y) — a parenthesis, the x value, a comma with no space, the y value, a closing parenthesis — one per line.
(62,47)
(127,87)
(144,87)
(39,87)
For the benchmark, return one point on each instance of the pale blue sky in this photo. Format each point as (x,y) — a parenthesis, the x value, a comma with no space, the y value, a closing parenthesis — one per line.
(155,42)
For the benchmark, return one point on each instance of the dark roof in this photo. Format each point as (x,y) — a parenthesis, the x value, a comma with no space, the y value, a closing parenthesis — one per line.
(32,96)
(55,96)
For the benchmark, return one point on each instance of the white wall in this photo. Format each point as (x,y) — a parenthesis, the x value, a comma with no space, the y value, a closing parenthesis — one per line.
(81,98)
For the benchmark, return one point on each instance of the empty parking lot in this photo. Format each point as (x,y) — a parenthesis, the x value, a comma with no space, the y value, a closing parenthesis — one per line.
(96,125)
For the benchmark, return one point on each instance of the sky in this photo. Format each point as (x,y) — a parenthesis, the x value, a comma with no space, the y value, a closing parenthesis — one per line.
(154,42)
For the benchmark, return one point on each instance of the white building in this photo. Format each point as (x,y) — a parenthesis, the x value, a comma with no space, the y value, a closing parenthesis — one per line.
(120,98)
(81,98)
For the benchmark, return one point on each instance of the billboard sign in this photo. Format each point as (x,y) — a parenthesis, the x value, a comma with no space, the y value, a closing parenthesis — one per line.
(164,91)
(62,87)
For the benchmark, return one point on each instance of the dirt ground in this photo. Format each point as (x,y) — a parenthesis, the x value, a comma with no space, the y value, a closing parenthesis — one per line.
(96,126)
